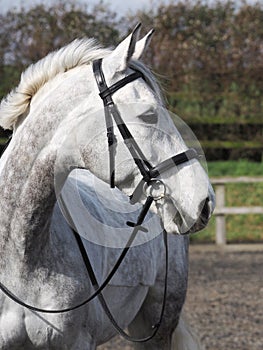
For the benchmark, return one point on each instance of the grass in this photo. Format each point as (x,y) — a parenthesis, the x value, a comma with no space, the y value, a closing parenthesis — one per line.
(235,168)
(231,144)
(240,228)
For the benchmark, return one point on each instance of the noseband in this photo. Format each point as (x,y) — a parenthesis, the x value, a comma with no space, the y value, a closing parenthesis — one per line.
(149,183)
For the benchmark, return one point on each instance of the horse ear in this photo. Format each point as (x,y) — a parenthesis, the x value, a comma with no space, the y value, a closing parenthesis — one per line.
(142,45)
(119,58)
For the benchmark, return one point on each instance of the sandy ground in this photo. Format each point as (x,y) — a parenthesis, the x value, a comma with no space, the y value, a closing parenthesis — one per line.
(225,298)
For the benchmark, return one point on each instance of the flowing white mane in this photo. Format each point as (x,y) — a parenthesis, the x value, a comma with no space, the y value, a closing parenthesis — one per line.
(77,53)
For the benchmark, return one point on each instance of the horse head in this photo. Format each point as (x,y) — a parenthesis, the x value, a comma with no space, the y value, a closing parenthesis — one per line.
(127,94)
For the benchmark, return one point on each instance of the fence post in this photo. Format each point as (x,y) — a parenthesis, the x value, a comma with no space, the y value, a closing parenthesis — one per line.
(220,219)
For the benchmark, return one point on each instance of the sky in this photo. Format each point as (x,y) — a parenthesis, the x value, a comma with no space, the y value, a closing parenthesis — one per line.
(121,6)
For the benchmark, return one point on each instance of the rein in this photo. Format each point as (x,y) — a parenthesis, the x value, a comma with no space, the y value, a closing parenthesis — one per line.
(148,184)
(148,172)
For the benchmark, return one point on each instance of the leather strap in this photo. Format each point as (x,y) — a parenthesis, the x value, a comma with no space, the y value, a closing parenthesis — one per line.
(111,111)
(105,91)
(171,162)
(99,289)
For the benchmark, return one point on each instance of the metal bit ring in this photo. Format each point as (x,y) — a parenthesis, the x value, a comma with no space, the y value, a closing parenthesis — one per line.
(155,188)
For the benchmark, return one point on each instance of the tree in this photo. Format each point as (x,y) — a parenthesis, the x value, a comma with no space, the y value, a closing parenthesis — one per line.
(210,56)
(33,33)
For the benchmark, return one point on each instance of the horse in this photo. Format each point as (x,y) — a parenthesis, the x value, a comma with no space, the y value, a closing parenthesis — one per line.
(54,181)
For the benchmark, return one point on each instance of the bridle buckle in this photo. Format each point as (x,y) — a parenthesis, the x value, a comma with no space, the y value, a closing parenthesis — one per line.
(155,188)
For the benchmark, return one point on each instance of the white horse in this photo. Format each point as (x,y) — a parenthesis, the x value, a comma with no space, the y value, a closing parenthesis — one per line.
(57,102)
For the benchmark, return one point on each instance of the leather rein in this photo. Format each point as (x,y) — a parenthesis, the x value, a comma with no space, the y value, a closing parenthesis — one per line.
(147,184)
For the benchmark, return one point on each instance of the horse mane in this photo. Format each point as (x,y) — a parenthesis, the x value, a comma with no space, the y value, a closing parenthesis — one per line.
(78,52)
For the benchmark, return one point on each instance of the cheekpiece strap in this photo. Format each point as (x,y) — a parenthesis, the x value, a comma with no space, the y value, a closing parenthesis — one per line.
(105,91)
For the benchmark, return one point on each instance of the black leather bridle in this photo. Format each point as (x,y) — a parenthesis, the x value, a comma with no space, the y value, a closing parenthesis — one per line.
(149,179)
(147,171)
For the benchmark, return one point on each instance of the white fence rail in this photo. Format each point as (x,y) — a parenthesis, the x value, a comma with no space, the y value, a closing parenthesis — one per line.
(221,210)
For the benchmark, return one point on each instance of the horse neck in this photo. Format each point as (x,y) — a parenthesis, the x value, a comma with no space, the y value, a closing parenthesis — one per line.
(27,196)
(27,177)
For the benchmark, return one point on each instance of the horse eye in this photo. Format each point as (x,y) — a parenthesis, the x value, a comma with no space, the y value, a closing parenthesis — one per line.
(149,118)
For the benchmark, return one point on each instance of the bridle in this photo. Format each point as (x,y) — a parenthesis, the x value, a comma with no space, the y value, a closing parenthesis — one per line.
(148,172)
(150,179)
